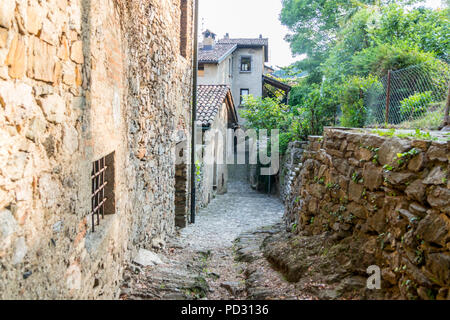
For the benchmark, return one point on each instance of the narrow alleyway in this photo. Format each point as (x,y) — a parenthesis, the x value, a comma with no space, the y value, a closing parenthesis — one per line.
(226,254)
(213,258)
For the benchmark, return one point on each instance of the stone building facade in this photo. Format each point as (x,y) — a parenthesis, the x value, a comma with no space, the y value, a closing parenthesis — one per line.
(86,88)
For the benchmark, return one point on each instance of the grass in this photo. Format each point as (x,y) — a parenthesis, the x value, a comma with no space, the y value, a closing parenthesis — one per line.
(431,120)
(417,134)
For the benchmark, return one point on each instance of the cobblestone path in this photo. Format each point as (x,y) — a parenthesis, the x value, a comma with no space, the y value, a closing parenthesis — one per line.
(215,257)
(239,210)
(226,254)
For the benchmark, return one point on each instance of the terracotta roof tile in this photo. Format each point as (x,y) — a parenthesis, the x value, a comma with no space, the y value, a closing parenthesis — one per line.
(246,41)
(209,101)
(214,55)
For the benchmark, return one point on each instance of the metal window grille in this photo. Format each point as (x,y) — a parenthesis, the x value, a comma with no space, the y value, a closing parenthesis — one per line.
(98,198)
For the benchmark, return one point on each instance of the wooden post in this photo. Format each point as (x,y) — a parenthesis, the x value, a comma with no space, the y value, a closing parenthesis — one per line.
(447,107)
(388,97)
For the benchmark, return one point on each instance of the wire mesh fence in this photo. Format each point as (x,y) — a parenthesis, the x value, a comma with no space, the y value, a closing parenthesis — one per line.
(413,97)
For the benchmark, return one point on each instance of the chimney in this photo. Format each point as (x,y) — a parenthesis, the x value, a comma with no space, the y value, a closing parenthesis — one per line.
(208,40)
(227,36)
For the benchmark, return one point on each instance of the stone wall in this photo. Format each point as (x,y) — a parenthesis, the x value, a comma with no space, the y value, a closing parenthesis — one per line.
(81,79)
(385,201)
(289,167)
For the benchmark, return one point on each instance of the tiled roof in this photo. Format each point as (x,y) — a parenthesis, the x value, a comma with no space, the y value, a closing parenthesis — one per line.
(209,101)
(249,43)
(246,41)
(216,54)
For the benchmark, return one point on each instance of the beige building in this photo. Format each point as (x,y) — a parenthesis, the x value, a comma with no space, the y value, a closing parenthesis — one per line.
(238,63)
(95,96)
(215,114)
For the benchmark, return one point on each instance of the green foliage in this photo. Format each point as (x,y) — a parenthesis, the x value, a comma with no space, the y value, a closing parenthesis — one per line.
(351,44)
(428,29)
(417,135)
(431,119)
(268,114)
(416,105)
(198,170)
(378,60)
(352,100)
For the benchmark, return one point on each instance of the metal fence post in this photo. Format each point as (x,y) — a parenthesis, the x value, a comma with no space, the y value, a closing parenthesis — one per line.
(388,96)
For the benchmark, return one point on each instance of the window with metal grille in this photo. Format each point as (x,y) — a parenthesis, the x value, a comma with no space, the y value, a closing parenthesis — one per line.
(102,196)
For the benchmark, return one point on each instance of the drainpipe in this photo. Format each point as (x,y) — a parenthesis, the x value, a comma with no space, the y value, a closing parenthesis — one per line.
(194,110)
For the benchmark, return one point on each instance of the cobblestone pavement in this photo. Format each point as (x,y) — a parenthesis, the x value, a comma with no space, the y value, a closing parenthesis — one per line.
(210,259)
(240,210)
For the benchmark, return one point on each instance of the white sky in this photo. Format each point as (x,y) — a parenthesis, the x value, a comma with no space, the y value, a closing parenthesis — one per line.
(249,19)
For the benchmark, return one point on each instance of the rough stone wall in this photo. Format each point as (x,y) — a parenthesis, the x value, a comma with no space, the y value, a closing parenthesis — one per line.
(386,201)
(289,166)
(80,79)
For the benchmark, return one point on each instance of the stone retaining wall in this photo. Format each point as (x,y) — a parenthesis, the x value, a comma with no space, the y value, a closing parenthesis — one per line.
(289,167)
(385,201)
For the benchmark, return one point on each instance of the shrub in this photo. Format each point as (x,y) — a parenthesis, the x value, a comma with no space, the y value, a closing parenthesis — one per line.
(354,112)
(415,105)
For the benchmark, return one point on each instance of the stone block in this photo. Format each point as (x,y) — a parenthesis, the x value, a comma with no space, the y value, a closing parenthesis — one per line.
(70,139)
(437,176)
(416,191)
(63,50)
(76,52)
(439,265)
(440,198)
(20,250)
(3,37)
(355,191)
(363,154)
(50,32)
(438,152)
(34,19)
(17,58)
(434,228)
(398,178)
(147,258)
(417,162)
(7,8)
(53,107)
(8,226)
(41,60)
(387,155)
(372,176)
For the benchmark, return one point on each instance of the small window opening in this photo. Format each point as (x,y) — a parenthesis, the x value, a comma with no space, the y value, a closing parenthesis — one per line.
(244,92)
(102,196)
(246,64)
(201,70)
